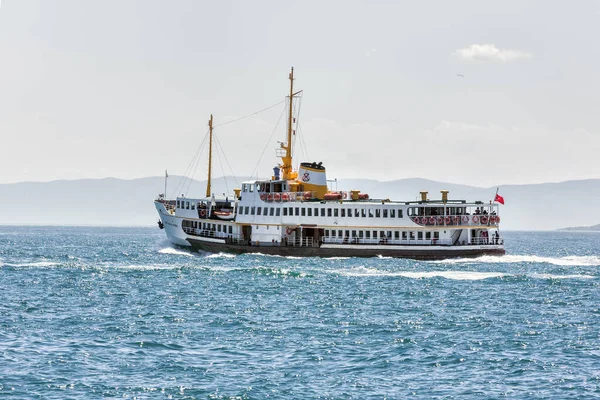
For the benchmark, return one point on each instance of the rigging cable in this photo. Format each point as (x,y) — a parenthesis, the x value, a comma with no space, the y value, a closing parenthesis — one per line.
(269,141)
(249,115)
(195,159)
(227,161)
(193,171)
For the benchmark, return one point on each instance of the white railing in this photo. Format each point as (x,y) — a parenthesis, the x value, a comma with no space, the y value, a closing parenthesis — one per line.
(416,242)
(286,197)
(458,220)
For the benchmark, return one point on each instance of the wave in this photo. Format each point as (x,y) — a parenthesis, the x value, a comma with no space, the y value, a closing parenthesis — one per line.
(511,259)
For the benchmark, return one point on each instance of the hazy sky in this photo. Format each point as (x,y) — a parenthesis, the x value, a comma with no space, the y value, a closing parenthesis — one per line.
(124,88)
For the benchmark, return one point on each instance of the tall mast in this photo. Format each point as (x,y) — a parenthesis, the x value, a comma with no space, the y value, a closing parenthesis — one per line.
(210,127)
(287,159)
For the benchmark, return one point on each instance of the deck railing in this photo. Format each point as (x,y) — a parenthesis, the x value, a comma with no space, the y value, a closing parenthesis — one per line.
(457,220)
(412,241)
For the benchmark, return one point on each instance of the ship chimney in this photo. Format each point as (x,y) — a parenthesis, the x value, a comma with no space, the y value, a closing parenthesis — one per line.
(444,195)
(424,196)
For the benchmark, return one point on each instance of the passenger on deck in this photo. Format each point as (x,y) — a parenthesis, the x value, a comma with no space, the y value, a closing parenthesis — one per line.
(477,211)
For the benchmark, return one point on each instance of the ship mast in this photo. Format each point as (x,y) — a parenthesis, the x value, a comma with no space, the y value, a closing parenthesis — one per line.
(287,158)
(210,127)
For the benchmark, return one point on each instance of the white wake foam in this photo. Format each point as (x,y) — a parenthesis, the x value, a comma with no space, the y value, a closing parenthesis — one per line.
(454,275)
(33,264)
(172,251)
(220,255)
(511,259)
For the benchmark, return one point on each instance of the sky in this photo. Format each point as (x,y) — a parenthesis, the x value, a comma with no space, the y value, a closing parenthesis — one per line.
(470,92)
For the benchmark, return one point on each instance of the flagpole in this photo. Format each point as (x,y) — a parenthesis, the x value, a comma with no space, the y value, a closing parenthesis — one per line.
(166,176)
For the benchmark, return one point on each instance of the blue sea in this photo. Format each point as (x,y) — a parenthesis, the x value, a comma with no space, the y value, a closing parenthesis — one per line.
(118,312)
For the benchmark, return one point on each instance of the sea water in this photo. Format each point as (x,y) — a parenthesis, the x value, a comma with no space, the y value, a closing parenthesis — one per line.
(119,312)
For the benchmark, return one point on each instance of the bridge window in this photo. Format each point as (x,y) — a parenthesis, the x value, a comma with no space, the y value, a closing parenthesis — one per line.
(252,211)
(193,206)
(377,213)
(309,211)
(356,212)
(360,234)
(285,211)
(399,213)
(370,213)
(428,235)
(277,211)
(419,235)
(329,212)
(385,213)
(177,203)
(374,234)
(404,235)
(343,212)
(303,212)
(271,211)
(392,213)
(316,212)
(258,210)
(251,188)
(335,212)
(297,211)
(368,234)
(322,212)
(396,235)
(363,213)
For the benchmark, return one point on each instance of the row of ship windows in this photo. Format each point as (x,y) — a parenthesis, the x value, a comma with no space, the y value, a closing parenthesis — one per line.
(207,226)
(324,212)
(396,235)
(187,205)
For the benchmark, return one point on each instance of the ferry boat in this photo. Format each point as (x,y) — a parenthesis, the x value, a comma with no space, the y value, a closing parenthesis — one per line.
(294,213)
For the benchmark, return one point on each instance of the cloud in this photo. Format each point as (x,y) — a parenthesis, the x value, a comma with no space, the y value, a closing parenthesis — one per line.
(489,52)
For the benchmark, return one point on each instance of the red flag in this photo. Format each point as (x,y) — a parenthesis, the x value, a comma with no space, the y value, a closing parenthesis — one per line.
(499,199)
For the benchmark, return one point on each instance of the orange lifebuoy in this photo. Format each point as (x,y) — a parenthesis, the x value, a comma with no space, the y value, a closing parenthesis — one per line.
(440,220)
(307,196)
(285,197)
(344,195)
(455,219)
(432,220)
(447,219)
(465,219)
(497,219)
(263,197)
(277,197)
(416,220)
(270,197)
(289,230)
(484,220)
(203,213)
(475,218)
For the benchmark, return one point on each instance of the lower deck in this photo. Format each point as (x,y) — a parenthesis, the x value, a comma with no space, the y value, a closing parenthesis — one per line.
(312,249)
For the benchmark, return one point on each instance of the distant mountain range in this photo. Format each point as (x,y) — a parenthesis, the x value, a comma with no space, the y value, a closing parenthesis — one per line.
(593,228)
(119,202)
